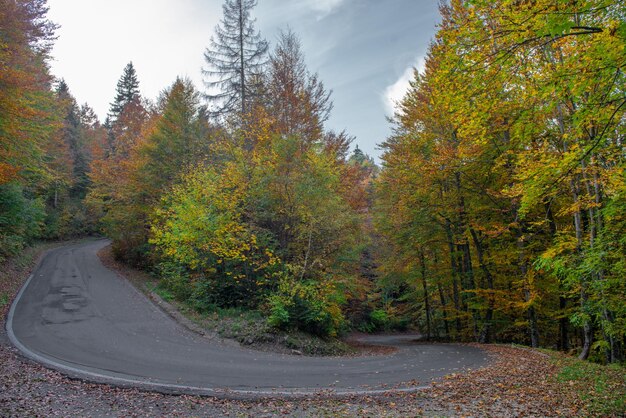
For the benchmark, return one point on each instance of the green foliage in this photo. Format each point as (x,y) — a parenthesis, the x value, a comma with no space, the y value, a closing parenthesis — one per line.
(379,318)
(232,227)
(4,300)
(296,195)
(164,292)
(305,306)
(180,138)
(145,158)
(21,219)
(174,278)
(200,229)
(384,320)
(600,387)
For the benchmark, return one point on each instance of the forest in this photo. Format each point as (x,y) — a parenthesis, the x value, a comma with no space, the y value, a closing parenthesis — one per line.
(498,213)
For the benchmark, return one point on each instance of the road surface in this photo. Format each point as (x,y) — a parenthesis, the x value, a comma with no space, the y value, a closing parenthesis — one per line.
(77,316)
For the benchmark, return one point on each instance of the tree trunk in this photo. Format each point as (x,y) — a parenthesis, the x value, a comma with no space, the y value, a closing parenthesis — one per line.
(442,299)
(532,315)
(587,329)
(485,332)
(455,284)
(444,308)
(467,283)
(467,272)
(242,74)
(534,334)
(563,342)
(587,341)
(563,328)
(308,251)
(426,298)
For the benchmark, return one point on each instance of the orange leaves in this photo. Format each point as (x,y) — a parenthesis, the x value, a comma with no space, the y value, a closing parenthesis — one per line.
(26,110)
(258,128)
(7,172)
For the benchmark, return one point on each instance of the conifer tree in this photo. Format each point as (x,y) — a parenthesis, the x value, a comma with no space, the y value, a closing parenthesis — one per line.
(234,59)
(70,135)
(126,115)
(178,140)
(127,91)
(358,156)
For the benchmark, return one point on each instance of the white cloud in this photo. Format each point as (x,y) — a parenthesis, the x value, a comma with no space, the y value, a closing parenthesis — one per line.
(396,91)
(324,6)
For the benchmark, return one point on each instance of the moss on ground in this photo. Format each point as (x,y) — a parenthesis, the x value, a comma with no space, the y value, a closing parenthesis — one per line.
(602,389)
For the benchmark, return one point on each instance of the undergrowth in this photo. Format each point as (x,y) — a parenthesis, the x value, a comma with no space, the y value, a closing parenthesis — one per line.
(602,388)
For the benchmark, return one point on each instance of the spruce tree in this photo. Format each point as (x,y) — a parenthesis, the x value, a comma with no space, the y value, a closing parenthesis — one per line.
(71,134)
(358,156)
(178,140)
(234,59)
(127,91)
(126,116)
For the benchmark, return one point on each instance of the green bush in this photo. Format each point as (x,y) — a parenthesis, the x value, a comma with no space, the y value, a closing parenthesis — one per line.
(10,245)
(212,289)
(175,279)
(208,289)
(305,306)
(21,219)
(376,320)
(384,320)
(379,318)
(279,314)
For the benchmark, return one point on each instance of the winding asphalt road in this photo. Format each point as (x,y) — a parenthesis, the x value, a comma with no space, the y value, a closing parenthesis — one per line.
(77,316)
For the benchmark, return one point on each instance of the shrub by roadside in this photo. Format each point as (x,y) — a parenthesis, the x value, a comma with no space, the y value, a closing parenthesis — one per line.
(305,306)
(250,328)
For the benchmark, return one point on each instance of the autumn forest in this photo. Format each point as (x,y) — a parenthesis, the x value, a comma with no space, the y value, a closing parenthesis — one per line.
(497,213)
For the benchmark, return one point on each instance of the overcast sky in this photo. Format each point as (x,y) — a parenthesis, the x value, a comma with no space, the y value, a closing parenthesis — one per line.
(363,50)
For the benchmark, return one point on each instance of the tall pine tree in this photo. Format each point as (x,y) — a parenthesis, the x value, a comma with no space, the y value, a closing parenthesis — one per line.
(234,59)
(126,115)
(127,91)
